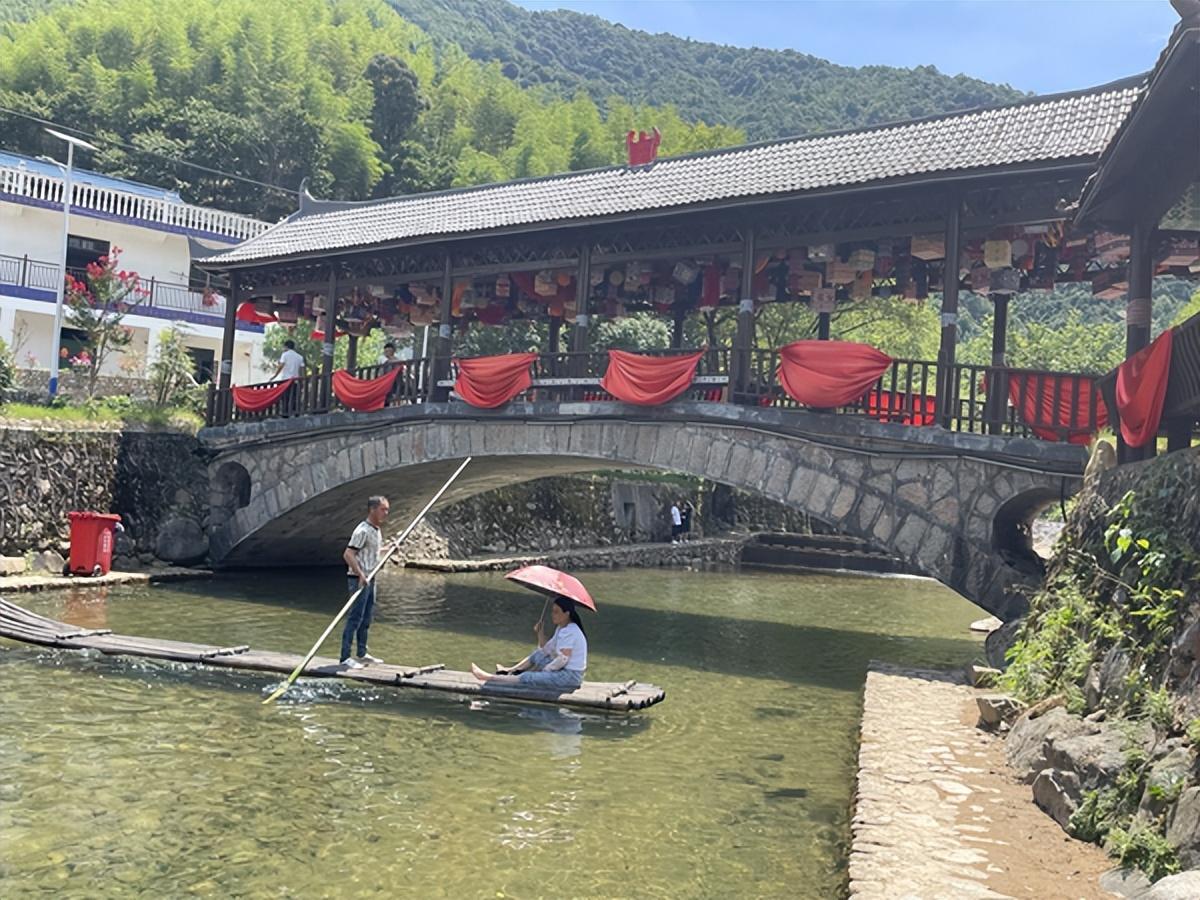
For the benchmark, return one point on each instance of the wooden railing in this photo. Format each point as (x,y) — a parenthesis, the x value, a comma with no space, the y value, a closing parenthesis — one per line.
(1181,404)
(312,394)
(905,394)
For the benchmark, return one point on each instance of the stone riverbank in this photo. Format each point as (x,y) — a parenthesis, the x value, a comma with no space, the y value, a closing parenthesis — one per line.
(23,584)
(939,814)
(723,550)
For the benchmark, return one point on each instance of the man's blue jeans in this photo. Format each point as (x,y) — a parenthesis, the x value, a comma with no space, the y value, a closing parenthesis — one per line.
(358,620)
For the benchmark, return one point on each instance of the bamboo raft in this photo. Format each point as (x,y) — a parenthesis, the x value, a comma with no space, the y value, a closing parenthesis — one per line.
(20,624)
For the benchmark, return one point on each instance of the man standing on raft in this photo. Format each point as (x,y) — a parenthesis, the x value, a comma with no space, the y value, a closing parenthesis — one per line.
(361,556)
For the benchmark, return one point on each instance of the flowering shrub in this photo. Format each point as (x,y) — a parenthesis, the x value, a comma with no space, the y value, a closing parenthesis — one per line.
(96,306)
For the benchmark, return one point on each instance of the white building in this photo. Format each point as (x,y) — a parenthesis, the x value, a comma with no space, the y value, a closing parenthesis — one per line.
(158,235)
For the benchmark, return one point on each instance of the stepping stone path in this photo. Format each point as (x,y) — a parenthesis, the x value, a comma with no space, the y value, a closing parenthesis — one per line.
(933,792)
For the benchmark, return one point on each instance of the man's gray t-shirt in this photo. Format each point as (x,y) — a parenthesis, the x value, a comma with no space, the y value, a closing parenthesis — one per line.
(366,542)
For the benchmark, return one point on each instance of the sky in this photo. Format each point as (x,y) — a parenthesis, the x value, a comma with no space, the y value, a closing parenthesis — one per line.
(1042,46)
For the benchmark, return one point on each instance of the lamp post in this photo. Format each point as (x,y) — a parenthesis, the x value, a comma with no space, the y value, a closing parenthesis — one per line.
(60,294)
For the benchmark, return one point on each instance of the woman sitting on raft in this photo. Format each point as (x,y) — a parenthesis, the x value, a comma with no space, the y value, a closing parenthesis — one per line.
(558,664)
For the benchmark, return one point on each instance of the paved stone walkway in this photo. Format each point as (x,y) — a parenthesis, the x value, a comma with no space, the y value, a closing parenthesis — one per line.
(938,816)
(19,584)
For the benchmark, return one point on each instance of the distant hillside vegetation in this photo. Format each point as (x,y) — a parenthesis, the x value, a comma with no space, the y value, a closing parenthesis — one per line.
(766,93)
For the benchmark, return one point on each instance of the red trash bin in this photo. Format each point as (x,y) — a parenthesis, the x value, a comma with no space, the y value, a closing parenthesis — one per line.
(91,542)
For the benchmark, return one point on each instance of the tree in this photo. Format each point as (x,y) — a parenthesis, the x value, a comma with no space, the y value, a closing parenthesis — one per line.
(641,331)
(370,348)
(398,100)
(172,372)
(98,308)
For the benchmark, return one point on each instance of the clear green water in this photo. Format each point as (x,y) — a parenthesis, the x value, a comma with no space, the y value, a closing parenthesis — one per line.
(139,778)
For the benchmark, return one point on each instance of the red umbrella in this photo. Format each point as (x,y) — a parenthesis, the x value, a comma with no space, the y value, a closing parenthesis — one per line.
(552,583)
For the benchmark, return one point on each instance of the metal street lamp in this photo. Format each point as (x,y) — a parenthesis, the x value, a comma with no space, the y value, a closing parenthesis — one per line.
(56,340)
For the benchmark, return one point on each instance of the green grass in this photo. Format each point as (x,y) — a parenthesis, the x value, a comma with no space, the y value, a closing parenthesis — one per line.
(99,414)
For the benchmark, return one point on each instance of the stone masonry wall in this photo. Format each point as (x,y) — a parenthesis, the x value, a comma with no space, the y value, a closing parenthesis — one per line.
(589,511)
(155,481)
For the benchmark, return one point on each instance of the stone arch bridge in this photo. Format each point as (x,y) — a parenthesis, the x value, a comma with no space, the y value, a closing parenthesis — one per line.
(952,506)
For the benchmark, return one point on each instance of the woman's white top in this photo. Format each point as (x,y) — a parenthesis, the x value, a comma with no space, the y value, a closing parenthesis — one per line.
(569,637)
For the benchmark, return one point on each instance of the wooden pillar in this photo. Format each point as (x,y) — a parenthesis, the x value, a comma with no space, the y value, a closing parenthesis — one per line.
(583,293)
(352,353)
(228,336)
(1141,282)
(330,335)
(1137,316)
(743,342)
(948,351)
(440,367)
(677,327)
(1179,434)
(997,398)
(823,326)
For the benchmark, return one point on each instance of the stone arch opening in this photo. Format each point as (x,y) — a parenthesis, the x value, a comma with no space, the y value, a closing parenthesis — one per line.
(1012,533)
(231,488)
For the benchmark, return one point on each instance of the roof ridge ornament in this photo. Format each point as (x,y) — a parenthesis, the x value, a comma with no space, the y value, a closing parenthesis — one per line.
(643,148)
(1187,9)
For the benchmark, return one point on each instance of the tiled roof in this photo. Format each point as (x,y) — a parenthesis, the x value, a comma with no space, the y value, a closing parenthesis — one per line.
(1066,126)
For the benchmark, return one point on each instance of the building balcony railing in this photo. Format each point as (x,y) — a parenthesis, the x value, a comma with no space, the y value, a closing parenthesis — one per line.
(38,275)
(162,211)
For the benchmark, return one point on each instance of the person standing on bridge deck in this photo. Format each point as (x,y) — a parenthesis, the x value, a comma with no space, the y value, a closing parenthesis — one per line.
(291,365)
(361,556)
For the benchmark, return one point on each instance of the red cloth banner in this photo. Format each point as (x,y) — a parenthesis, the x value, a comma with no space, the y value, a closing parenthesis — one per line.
(490,381)
(1047,411)
(825,374)
(364,394)
(247,313)
(906,409)
(649,380)
(1141,389)
(256,399)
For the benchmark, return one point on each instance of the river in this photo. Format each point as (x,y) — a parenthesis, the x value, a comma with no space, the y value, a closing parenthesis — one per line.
(123,777)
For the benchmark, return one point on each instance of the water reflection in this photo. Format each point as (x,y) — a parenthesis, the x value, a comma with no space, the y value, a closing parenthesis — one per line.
(164,779)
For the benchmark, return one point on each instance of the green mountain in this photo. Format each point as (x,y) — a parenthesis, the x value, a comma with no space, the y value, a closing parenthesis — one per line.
(766,93)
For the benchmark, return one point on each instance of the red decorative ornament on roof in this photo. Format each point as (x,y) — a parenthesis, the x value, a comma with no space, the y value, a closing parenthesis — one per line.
(641,147)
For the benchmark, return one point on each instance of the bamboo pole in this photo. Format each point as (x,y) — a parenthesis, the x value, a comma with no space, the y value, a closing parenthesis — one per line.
(291,679)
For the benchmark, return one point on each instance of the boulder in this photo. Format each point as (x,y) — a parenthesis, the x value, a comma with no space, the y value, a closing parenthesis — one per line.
(1164,780)
(181,541)
(1058,794)
(1183,827)
(1025,746)
(1044,706)
(997,708)
(12,565)
(1095,758)
(1184,886)
(1114,671)
(996,645)
(1091,687)
(981,676)
(1124,882)
(48,562)
(986,626)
